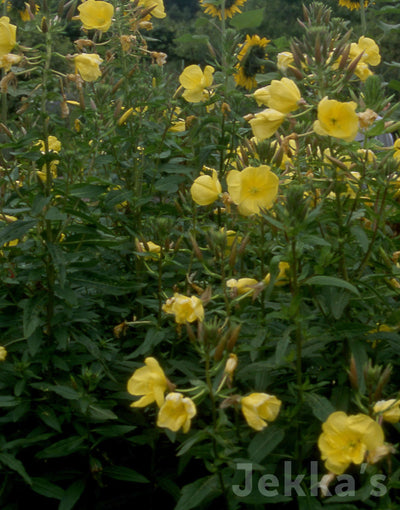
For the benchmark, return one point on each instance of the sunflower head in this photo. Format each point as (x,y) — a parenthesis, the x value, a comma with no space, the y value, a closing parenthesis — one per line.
(353,4)
(232,7)
(250,61)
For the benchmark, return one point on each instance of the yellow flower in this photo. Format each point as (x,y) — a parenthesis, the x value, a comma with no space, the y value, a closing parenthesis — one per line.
(206,188)
(281,95)
(282,278)
(195,81)
(347,439)
(250,61)
(42,174)
(151,247)
(390,410)
(253,189)
(3,353)
(8,60)
(337,119)
(396,146)
(185,309)
(352,4)
(284,61)
(125,116)
(156,6)
(370,51)
(8,34)
(96,15)
(242,285)
(260,408)
(87,65)
(232,7)
(231,364)
(265,124)
(53,143)
(176,412)
(149,382)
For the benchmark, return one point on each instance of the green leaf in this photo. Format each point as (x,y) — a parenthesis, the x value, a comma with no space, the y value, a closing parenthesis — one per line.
(8,401)
(49,417)
(65,392)
(72,495)
(125,474)
(196,438)
(248,19)
(61,448)
(320,406)
(46,488)
(15,230)
(16,465)
(331,281)
(99,413)
(265,442)
(197,492)
(114,430)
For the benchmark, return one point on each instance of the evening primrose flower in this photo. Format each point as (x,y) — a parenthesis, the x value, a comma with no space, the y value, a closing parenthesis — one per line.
(242,285)
(9,60)
(8,34)
(53,144)
(260,408)
(87,65)
(284,61)
(348,439)
(195,82)
(369,50)
(185,309)
(253,189)
(265,124)
(149,382)
(3,353)
(282,278)
(156,6)
(96,15)
(389,409)
(176,412)
(206,188)
(283,95)
(337,119)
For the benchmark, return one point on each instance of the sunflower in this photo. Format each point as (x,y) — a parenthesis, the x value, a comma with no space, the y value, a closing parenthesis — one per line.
(231,8)
(250,61)
(353,4)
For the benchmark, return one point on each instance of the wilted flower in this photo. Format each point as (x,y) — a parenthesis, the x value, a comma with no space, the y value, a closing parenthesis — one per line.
(367,118)
(242,285)
(96,15)
(149,382)
(347,439)
(206,188)
(125,116)
(87,65)
(8,34)
(265,124)
(185,309)
(3,353)
(195,82)
(176,412)
(156,6)
(389,409)
(260,408)
(253,189)
(8,60)
(337,119)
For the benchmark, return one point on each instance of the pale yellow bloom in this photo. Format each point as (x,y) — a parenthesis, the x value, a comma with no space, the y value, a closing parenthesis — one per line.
(389,409)
(363,71)
(149,382)
(3,353)
(206,188)
(282,278)
(337,119)
(253,189)
(242,285)
(265,124)
(185,309)
(260,408)
(151,248)
(283,95)
(156,6)
(96,15)
(284,61)
(8,34)
(347,439)
(53,143)
(176,413)
(369,50)
(195,82)
(87,65)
